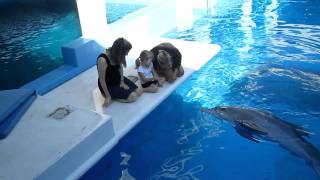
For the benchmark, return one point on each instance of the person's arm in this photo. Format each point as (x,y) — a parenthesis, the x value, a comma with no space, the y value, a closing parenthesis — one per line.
(102,66)
(143,78)
(180,71)
(155,74)
(171,75)
(157,77)
(174,74)
(122,84)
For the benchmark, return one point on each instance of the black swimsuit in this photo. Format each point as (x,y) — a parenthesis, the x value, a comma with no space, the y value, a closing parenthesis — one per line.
(113,80)
(147,84)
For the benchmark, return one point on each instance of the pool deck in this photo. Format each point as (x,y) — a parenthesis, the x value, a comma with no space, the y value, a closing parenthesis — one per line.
(49,145)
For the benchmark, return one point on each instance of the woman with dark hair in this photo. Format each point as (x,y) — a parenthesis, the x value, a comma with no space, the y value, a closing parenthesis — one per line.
(112,84)
(167,61)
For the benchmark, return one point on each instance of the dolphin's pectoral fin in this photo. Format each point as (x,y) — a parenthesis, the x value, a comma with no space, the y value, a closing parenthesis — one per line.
(253,127)
(245,133)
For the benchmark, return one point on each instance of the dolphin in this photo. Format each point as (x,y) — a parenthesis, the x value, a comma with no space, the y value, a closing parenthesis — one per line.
(254,124)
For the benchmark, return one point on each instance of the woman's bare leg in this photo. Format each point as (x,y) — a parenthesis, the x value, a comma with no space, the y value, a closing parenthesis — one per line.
(132,97)
(139,91)
(152,88)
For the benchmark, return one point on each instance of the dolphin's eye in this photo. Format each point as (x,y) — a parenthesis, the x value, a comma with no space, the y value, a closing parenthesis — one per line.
(223,108)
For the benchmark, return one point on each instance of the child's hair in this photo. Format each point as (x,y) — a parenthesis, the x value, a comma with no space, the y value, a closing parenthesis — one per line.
(164,59)
(145,54)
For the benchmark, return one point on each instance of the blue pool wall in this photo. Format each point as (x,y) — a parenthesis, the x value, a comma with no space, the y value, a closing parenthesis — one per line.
(52,3)
(78,56)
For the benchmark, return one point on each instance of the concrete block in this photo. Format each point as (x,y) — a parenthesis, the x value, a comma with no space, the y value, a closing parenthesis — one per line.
(81,52)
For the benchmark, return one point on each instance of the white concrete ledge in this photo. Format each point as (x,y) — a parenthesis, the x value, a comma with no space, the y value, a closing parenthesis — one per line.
(128,115)
(44,148)
(82,91)
(43,138)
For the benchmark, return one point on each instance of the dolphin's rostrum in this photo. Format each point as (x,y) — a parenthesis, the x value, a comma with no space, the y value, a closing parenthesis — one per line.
(254,124)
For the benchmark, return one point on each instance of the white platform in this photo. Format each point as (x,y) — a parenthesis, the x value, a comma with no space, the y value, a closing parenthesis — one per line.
(83,92)
(39,141)
(44,148)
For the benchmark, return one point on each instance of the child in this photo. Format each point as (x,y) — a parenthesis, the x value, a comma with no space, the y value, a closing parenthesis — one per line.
(148,77)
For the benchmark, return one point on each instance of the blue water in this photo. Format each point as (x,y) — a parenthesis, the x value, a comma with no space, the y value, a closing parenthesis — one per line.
(116,11)
(31,38)
(269,60)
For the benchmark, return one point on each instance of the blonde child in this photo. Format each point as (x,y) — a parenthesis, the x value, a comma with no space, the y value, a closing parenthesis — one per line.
(148,77)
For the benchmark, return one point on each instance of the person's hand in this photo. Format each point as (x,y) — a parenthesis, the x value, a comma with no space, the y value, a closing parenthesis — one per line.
(107,101)
(124,86)
(162,80)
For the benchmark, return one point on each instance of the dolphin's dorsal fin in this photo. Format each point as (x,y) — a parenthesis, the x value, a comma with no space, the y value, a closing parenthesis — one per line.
(299,130)
(303,132)
(245,133)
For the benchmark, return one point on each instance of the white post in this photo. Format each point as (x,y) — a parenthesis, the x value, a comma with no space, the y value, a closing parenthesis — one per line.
(247,24)
(93,19)
(272,16)
(184,14)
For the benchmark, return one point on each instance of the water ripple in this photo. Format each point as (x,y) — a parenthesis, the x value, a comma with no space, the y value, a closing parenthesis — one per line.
(176,167)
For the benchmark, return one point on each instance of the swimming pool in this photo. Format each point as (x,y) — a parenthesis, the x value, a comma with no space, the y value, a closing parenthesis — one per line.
(31,39)
(269,60)
(116,11)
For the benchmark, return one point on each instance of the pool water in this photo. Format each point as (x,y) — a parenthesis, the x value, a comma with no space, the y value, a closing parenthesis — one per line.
(270,60)
(116,11)
(31,39)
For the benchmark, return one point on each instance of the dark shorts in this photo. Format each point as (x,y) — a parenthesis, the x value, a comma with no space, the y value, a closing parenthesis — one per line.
(147,84)
(116,92)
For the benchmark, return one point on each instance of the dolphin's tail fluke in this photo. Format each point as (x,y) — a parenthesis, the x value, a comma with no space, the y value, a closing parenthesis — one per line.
(313,158)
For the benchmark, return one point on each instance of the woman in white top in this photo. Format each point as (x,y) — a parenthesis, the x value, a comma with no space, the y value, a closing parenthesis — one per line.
(148,77)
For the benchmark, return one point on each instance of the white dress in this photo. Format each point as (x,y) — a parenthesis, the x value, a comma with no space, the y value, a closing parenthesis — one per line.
(147,72)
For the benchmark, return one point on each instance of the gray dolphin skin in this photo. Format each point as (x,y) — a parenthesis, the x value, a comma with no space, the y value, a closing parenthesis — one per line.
(254,124)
